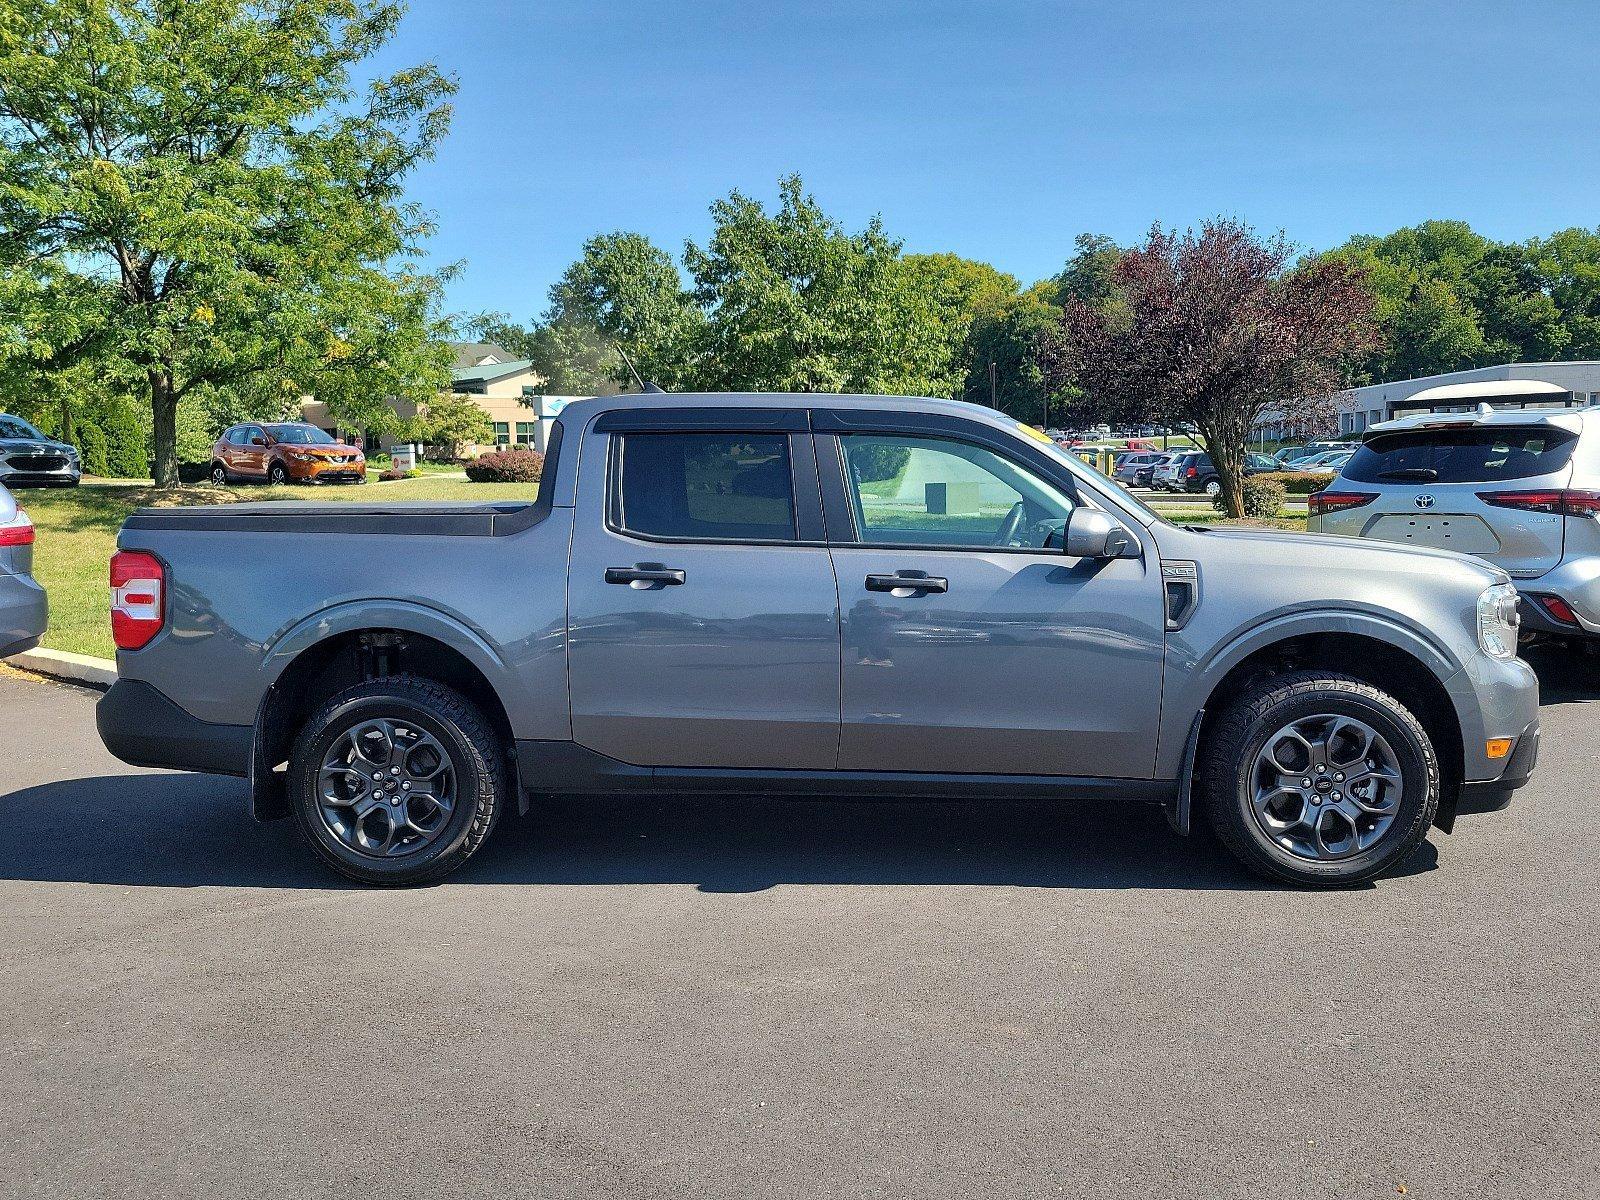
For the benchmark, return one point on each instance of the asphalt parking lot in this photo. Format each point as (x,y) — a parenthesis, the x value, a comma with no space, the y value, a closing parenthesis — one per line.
(768,998)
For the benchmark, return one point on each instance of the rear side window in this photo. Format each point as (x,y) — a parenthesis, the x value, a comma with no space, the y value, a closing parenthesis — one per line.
(729,487)
(1480,455)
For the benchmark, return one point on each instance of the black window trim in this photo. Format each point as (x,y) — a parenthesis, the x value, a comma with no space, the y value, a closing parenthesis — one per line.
(805,492)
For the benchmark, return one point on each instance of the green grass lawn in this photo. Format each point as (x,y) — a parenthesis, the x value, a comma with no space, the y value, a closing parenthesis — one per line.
(77,531)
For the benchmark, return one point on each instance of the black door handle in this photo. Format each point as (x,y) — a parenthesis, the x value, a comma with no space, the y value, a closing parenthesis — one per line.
(905,579)
(644,573)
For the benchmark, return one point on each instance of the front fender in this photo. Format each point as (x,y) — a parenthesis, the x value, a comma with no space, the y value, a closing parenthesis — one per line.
(1192,672)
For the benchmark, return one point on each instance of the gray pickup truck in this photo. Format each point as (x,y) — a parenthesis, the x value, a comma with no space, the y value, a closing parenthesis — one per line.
(813,594)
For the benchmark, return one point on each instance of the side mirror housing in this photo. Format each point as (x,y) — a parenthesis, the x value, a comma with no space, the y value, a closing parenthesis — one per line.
(258,441)
(1093,534)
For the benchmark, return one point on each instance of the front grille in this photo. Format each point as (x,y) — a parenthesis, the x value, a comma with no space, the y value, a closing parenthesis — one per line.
(36,462)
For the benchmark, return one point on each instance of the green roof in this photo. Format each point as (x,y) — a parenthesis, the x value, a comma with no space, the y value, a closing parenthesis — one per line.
(489,372)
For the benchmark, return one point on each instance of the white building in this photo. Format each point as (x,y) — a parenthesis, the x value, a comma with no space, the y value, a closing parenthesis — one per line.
(1510,385)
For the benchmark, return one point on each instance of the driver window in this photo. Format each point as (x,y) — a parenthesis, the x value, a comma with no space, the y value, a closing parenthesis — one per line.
(915,491)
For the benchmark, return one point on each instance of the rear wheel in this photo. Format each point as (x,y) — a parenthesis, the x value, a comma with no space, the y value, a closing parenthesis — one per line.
(1319,779)
(397,781)
(1214,487)
(219,475)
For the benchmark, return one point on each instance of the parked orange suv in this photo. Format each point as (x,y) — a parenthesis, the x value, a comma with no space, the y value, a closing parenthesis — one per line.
(289,452)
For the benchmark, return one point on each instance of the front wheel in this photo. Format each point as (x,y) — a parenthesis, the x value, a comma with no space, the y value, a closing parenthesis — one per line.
(397,780)
(1319,779)
(277,475)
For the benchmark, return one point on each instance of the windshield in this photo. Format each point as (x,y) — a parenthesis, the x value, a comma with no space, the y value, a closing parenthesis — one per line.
(16,427)
(1483,454)
(300,435)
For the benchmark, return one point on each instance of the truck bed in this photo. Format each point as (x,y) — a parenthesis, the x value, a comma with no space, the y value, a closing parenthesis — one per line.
(414,517)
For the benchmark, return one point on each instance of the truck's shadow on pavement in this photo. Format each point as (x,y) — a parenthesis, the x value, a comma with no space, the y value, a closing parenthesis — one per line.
(193,831)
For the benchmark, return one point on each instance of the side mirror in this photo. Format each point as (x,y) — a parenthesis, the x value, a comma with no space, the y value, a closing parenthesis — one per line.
(258,441)
(1092,534)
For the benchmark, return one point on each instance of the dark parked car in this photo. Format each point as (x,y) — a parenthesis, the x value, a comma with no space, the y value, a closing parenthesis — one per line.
(284,452)
(28,457)
(1195,472)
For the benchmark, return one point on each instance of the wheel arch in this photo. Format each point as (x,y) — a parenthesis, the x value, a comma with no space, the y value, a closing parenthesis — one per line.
(1388,657)
(333,650)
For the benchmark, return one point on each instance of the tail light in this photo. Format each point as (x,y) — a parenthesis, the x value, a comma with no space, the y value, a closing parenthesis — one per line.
(138,598)
(1192,472)
(1568,502)
(18,531)
(1319,503)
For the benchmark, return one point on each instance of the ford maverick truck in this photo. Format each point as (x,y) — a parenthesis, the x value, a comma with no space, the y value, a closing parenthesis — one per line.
(845,595)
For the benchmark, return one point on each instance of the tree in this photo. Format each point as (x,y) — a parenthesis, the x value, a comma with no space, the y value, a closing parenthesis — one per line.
(794,303)
(1009,338)
(195,197)
(450,421)
(1216,328)
(1566,266)
(625,289)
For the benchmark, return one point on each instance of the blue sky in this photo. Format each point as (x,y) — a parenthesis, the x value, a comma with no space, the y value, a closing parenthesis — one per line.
(998,130)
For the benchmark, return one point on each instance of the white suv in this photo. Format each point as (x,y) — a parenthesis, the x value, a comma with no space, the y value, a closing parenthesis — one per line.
(1518,488)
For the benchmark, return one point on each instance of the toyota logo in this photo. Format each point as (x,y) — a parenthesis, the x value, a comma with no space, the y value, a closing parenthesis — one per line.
(1424,501)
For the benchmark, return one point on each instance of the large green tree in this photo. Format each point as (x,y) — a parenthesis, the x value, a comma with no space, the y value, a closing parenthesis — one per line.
(793,302)
(195,195)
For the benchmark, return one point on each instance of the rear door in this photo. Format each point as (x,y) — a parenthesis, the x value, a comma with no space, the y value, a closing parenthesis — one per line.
(704,618)
(1464,488)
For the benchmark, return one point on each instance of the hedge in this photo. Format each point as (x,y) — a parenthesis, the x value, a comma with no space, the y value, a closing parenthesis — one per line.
(1297,483)
(506,466)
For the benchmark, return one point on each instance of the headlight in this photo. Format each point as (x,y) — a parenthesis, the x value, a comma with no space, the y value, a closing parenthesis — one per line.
(1498,621)
(300,456)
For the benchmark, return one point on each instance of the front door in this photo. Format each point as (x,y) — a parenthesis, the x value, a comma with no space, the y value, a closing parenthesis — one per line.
(971,644)
(704,619)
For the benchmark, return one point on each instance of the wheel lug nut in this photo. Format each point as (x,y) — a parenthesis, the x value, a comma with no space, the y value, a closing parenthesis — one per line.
(1305,783)
(1338,778)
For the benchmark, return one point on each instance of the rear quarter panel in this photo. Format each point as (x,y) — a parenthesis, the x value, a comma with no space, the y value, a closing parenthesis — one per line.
(241,605)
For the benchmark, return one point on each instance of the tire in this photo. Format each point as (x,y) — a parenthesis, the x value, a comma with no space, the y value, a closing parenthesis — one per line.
(444,721)
(277,475)
(1233,776)
(1213,488)
(219,475)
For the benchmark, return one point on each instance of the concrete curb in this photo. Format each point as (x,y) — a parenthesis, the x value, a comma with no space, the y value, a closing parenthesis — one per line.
(75,668)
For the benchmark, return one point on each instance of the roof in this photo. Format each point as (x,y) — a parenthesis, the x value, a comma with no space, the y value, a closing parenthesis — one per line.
(476,354)
(489,372)
(1455,392)
(1564,418)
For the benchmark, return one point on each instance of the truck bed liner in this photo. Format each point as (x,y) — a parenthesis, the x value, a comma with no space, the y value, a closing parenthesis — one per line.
(414,517)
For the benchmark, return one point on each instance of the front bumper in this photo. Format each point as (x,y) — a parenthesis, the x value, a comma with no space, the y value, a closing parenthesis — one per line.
(24,614)
(326,472)
(68,476)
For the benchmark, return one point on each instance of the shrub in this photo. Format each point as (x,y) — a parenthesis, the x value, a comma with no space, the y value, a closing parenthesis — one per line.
(394,473)
(506,466)
(1297,483)
(1263,497)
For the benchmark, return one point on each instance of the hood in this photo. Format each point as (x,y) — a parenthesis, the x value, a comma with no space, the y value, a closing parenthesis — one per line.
(1324,552)
(32,446)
